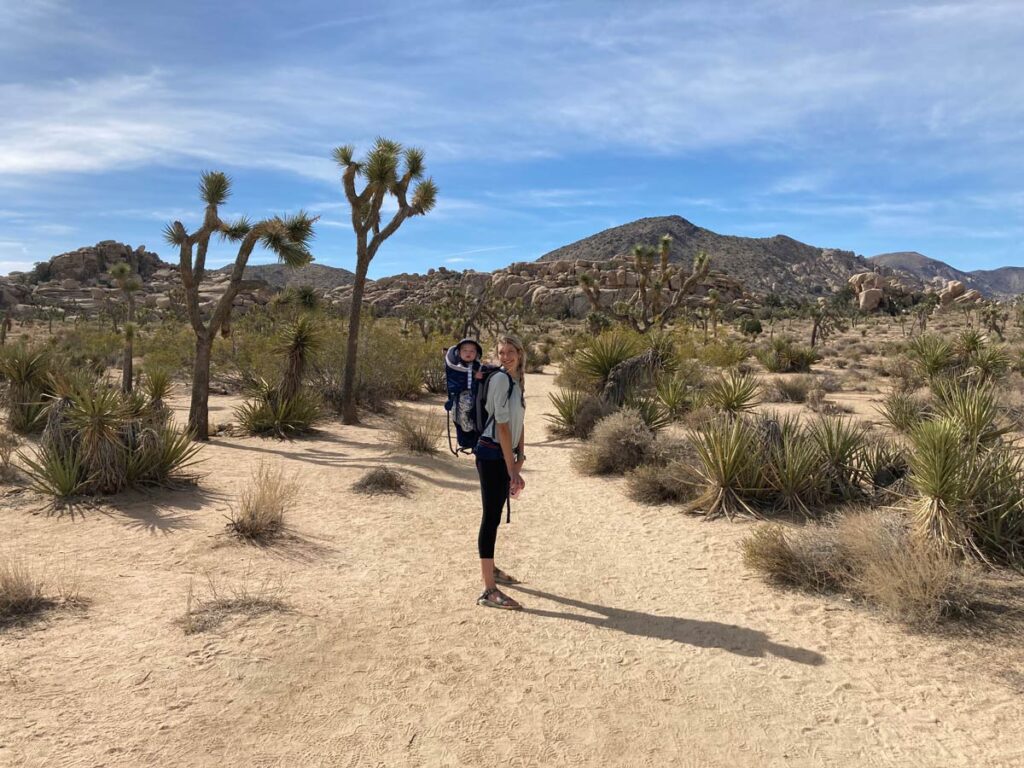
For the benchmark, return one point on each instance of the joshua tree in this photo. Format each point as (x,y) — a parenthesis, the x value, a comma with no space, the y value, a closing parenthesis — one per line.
(287,237)
(6,324)
(383,176)
(128,282)
(652,305)
(826,319)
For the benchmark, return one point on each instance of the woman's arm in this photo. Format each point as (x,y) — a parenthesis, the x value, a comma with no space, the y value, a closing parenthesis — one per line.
(504,434)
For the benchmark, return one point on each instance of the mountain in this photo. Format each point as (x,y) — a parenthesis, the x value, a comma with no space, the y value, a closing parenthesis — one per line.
(319,276)
(1003,282)
(922,267)
(776,264)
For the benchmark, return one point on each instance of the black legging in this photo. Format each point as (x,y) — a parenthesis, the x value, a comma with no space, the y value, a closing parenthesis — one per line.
(494,480)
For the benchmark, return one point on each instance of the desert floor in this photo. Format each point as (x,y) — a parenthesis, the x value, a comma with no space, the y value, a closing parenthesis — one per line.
(645,641)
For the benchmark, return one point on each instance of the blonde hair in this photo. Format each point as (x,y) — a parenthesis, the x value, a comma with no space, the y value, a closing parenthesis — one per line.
(513,341)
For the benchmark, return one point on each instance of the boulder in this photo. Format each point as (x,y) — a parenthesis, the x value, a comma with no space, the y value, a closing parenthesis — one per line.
(869,299)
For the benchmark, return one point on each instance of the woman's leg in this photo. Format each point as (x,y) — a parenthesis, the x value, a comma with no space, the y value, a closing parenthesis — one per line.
(494,482)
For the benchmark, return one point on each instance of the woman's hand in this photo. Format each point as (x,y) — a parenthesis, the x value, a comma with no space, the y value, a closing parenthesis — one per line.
(516,483)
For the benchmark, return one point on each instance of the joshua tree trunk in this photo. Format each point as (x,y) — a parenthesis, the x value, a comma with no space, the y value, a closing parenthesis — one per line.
(126,368)
(199,409)
(349,413)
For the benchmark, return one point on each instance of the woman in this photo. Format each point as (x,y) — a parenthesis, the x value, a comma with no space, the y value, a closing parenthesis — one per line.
(499,462)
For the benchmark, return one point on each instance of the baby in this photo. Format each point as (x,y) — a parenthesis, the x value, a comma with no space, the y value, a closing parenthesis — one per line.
(463,373)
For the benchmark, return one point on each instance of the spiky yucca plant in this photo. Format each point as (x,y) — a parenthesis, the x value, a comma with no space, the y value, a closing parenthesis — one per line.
(732,393)
(27,374)
(301,340)
(969,342)
(989,364)
(603,353)
(730,466)
(974,407)
(931,355)
(793,473)
(567,404)
(841,443)
(650,410)
(903,410)
(266,413)
(944,472)
(676,393)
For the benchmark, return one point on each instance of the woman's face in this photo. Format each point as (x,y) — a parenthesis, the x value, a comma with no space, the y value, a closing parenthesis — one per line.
(508,356)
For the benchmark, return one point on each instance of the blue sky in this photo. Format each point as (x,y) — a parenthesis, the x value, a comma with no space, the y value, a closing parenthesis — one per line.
(868,126)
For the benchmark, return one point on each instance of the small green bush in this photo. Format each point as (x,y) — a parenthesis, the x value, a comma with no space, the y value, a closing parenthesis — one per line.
(620,442)
(786,356)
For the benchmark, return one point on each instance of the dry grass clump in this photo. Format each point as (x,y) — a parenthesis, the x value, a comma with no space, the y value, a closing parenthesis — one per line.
(417,433)
(384,481)
(209,607)
(261,507)
(673,483)
(22,589)
(620,442)
(8,443)
(872,556)
(790,389)
(26,590)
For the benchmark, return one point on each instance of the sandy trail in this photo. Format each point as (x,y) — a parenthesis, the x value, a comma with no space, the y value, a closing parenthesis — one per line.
(645,642)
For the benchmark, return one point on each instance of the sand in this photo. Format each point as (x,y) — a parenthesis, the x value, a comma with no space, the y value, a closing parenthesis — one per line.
(645,641)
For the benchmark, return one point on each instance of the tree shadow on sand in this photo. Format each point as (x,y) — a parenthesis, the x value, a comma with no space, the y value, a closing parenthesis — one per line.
(701,634)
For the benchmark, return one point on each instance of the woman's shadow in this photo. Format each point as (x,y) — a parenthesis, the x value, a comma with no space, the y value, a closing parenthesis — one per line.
(702,634)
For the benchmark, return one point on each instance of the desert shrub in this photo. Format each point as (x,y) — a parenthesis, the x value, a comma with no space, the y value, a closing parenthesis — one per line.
(870,555)
(790,389)
(416,433)
(990,364)
(390,365)
(911,580)
(567,404)
(26,372)
(673,483)
(651,410)
(841,443)
(931,355)
(170,347)
(729,464)
(8,443)
(678,391)
(974,407)
(259,515)
(22,588)
(732,393)
(970,493)
(268,414)
(883,462)
(805,558)
(620,442)
(792,472)
(90,348)
(786,356)
(383,480)
(207,608)
(592,364)
(725,353)
(902,411)
(96,442)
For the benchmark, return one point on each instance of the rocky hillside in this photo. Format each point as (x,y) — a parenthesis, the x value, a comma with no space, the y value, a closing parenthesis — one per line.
(777,264)
(1004,282)
(278,276)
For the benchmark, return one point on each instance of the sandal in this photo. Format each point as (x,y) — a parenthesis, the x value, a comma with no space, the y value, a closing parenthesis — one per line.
(495,598)
(504,578)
